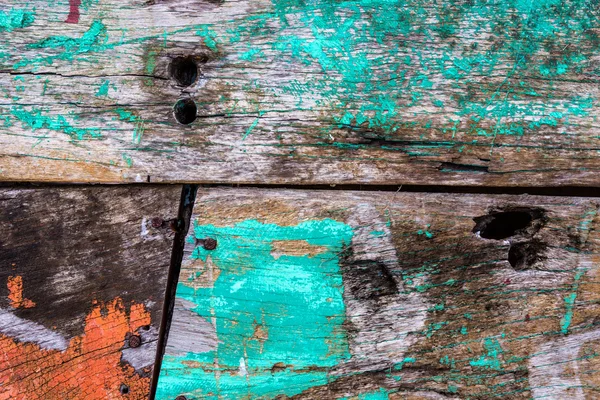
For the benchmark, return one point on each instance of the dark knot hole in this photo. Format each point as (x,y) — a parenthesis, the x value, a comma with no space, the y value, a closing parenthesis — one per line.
(502,225)
(185,111)
(184,70)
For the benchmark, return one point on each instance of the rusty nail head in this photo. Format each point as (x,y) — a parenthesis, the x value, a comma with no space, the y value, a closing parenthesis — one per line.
(135,341)
(209,244)
(180,398)
(156,222)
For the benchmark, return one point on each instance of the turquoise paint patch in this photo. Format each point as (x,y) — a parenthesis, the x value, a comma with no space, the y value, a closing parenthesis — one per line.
(103,89)
(209,36)
(250,55)
(300,313)
(381,394)
(434,327)
(425,232)
(491,360)
(401,364)
(16,19)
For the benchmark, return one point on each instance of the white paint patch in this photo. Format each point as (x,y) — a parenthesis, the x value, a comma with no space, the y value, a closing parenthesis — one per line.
(242,371)
(144,231)
(145,234)
(554,371)
(237,286)
(27,331)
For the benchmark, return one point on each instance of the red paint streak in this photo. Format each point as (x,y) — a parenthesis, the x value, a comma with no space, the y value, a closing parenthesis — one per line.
(73,17)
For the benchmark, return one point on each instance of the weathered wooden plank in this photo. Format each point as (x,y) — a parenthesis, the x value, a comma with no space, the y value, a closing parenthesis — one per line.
(365,91)
(364,295)
(82,280)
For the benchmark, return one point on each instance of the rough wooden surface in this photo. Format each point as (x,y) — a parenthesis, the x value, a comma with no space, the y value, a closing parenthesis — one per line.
(364,91)
(82,270)
(358,295)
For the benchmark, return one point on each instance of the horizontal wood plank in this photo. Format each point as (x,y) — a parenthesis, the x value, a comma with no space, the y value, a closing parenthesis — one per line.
(82,279)
(366,91)
(364,295)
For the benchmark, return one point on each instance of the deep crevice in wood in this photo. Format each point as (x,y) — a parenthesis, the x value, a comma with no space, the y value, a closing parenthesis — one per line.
(186,205)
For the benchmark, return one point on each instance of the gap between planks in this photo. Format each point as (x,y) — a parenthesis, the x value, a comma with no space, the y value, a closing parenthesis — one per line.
(556,191)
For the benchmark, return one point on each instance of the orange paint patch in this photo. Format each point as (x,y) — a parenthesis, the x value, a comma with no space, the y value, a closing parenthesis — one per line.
(15,293)
(90,368)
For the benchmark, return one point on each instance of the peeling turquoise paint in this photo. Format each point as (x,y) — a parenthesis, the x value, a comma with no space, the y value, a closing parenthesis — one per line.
(381,394)
(565,321)
(491,360)
(401,364)
(425,232)
(434,327)
(93,40)
(377,89)
(36,120)
(138,129)
(448,361)
(16,19)
(300,312)
(103,89)
(252,126)
(209,36)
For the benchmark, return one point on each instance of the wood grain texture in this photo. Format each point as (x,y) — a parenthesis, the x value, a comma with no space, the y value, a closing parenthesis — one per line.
(82,270)
(364,91)
(364,295)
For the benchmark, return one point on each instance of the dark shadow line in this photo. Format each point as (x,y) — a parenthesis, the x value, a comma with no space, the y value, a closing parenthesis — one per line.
(559,191)
(186,206)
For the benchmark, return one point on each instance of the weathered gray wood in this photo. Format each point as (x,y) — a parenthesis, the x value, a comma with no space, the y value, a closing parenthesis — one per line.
(366,91)
(82,277)
(331,295)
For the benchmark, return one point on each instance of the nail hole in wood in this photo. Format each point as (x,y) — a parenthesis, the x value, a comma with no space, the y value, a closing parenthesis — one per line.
(184,70)
(124,389)
(185,111)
